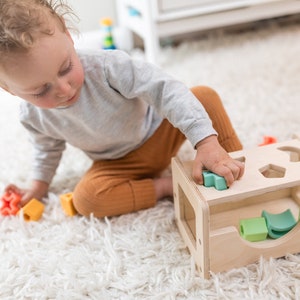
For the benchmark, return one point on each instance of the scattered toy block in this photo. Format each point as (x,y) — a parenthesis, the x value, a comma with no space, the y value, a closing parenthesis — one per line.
(33,210)
(254,229)
(66,201)
(10,203)
(279,224)
(268,140)
(212,179)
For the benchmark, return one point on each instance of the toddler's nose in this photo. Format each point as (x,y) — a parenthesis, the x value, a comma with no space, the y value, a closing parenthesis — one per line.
(63,89)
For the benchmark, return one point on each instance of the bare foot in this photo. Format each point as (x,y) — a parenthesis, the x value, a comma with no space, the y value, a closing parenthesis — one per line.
(163,187)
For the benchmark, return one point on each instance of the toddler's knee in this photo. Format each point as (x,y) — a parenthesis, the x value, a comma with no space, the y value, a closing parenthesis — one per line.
(204,91)
(103,198)
(89,198)
(84,199)
(209,98)
(78,202)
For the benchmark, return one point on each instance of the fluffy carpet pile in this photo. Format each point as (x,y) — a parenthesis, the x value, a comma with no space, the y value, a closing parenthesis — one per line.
(141,255)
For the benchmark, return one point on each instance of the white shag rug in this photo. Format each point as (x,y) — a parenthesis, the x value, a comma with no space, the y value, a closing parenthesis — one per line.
(141,255)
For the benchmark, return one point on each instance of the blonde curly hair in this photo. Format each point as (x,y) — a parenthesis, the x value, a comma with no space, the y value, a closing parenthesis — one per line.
(22,22)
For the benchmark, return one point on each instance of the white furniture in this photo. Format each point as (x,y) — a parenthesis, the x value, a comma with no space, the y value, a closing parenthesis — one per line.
(155,19)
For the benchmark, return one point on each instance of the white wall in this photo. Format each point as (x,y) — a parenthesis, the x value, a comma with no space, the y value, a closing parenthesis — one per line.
(91,11)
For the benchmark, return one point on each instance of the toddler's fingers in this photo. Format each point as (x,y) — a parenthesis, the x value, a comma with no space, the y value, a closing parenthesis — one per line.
(226,172)
(197,173)
(236,168)
(231,171)
(239,169)
(13,188)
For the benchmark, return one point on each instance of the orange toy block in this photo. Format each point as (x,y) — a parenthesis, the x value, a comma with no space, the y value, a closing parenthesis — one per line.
(66,201)
(10,203)
(33,210)
(268,140)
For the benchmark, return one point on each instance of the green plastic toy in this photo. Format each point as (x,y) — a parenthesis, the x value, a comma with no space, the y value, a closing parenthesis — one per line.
(279,224)
(254,229)
(212,179)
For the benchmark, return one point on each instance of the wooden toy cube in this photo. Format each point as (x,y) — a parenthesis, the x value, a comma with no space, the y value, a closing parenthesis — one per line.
(208,219)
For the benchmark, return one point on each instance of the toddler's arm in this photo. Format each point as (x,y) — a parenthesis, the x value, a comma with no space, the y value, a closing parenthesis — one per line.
(38,190)
(210,155)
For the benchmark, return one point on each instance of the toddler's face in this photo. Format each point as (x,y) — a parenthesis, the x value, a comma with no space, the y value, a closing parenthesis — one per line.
(49,76)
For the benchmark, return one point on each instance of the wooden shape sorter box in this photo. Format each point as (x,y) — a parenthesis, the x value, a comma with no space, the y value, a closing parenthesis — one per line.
(208,219)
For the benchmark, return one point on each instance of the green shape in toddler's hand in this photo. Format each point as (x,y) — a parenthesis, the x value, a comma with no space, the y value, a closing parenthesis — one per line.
(212,179)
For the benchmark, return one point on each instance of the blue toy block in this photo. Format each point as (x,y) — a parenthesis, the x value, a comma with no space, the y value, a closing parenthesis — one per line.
(212,179)
(254,229)
(279,224)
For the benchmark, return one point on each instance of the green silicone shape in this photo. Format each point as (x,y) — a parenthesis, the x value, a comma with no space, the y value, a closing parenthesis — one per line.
(254,229)
(212,179)
(279,224)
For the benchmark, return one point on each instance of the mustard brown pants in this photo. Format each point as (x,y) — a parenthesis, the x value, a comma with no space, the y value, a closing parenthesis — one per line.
(124,185)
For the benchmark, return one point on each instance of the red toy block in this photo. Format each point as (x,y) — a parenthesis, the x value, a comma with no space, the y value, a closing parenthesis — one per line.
(10,203)
(268,140)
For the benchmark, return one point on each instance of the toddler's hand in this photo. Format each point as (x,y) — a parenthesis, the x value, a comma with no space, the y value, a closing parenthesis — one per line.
(211,156)
(26,194)
(38,191)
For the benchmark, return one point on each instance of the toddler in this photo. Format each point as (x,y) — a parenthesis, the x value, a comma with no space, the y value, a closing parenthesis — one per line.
(128,116)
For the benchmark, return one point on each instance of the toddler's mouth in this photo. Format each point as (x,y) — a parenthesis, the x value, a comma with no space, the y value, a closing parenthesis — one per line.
(68,102)
(70,99)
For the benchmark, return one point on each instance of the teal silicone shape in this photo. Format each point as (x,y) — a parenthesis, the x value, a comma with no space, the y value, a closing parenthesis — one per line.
(254,229)
(212,179)
(279,224)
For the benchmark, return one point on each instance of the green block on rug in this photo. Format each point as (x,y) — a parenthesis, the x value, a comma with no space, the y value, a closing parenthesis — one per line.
(279,224)
(254,229)
(212,179)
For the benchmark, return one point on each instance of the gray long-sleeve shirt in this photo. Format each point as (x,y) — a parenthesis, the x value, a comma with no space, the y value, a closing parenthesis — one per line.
(122,103)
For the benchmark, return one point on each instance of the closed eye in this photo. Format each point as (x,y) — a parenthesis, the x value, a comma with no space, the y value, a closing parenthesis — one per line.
(47,87)
(43,92)
(67,70)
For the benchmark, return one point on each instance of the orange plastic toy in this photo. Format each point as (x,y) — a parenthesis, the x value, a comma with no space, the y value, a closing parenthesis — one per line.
(66,202)
(33,210)
(268,140)
(10,203)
